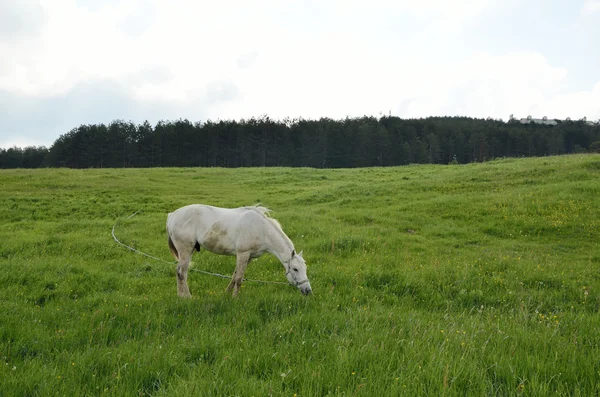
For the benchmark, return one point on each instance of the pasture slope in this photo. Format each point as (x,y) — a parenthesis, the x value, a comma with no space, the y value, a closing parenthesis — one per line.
(479,279)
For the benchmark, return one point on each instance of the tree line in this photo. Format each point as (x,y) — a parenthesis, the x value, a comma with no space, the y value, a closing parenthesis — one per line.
(323,143)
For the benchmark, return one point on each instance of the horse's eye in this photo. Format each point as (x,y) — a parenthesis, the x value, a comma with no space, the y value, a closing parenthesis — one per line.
(295,269)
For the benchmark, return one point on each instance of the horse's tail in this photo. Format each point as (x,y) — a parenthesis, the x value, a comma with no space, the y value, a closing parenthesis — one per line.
(171,245)
(173,249)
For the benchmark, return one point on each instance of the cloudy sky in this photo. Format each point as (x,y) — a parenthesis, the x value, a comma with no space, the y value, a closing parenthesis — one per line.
(64,63)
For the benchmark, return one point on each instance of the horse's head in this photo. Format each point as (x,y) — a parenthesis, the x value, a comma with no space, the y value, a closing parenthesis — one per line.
(296,273)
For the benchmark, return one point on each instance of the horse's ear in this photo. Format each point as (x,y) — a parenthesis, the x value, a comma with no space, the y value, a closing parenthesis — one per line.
(300,254)
(293,253)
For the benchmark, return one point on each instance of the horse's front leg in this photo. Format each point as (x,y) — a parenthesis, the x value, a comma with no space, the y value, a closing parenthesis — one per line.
(232,282)
(233,276)
(242,261)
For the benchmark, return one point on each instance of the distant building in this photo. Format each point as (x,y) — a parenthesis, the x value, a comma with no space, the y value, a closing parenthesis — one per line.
(590,122)
(544,120)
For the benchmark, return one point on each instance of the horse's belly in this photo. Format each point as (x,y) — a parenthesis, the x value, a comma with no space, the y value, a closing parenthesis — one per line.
(217,240)
(217,248)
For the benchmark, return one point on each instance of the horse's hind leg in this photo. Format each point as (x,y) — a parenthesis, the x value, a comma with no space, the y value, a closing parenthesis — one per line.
(182,273)
(238,275)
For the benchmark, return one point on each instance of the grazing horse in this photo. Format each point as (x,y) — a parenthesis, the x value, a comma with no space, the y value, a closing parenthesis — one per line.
(245,232)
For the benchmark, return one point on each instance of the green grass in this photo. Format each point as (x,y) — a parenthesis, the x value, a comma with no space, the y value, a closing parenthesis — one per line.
(478,279)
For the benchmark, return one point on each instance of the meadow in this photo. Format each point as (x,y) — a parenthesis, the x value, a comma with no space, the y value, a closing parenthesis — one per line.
(479,279)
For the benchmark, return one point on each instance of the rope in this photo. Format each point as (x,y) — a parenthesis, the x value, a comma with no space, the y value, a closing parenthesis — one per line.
(173,263)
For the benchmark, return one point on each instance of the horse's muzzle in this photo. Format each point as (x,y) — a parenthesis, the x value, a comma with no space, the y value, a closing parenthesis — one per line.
(305,288)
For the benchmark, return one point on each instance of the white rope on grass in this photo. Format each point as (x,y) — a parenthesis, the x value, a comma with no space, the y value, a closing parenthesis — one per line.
(174,263)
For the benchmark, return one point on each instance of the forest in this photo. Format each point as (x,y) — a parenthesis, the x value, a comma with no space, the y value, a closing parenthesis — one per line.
(323,143)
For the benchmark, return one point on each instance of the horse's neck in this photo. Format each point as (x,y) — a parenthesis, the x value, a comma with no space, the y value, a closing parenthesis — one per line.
(280,244)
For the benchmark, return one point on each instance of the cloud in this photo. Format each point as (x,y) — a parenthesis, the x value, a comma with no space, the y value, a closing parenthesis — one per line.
(21,19)
(152,74)
(519,83)
(28,120)
(97,6)
(354,83)
(575,105)
(20,142)
(81,61)
(221,91)
(246,59)
(591,6)
(139,20)
(73,46)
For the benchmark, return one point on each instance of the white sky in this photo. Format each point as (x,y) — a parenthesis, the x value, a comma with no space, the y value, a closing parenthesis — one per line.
(64,63)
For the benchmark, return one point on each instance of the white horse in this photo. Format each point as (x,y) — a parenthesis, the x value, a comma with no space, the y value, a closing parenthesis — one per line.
(246,232)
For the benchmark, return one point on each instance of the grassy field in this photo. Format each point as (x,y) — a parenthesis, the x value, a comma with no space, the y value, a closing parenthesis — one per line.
(478,279)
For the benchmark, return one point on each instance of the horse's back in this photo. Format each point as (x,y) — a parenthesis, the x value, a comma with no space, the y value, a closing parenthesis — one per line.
(209,214)
(214,228)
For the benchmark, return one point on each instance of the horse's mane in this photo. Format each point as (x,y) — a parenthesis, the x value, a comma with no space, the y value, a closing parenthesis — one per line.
(264,211)
(259,209)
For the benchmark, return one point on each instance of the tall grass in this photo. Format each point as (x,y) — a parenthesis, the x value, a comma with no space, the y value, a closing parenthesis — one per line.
(477,279)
